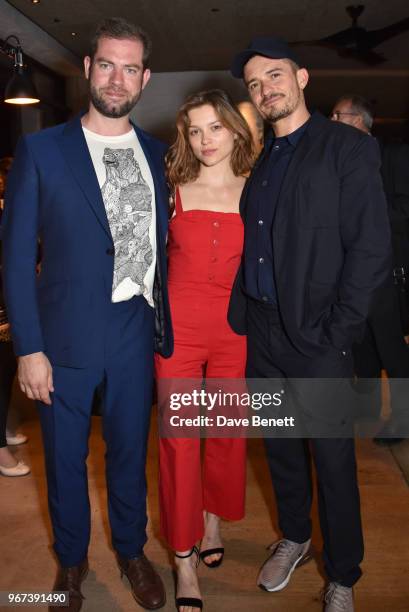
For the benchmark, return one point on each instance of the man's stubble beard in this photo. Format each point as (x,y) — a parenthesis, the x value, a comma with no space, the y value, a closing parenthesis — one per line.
(111,109)
(273,115)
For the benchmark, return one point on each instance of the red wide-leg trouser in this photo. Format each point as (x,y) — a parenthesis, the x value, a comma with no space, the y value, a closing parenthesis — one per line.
(203,340)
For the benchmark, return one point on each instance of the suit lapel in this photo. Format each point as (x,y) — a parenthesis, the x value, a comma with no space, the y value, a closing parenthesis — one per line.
(301,154)
(157,169)
(243,199)
(75,150)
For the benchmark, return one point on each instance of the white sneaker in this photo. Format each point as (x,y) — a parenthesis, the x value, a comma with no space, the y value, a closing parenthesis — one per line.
(276,571)
(16,439)
(21,469)
(338,598)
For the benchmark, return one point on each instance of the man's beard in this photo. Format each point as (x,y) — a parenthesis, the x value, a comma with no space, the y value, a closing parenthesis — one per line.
(114,110)
(275,113)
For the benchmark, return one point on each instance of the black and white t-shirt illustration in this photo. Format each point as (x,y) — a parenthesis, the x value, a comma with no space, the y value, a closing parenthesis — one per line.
(128,204)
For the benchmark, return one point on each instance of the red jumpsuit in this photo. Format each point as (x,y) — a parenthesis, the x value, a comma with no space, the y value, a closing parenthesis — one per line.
(204,252)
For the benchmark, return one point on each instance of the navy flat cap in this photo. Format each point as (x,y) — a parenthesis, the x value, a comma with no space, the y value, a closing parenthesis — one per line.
(270,46)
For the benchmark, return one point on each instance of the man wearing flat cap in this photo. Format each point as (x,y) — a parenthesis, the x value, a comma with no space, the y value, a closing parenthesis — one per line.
(315,251)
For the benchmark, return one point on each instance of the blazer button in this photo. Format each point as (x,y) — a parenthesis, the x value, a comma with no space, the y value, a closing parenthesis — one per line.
(110,251)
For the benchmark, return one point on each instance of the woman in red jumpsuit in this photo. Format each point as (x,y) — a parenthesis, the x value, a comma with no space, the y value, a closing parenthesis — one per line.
(206,167)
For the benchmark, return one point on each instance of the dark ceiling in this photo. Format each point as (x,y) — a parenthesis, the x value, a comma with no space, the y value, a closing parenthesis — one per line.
(204,34)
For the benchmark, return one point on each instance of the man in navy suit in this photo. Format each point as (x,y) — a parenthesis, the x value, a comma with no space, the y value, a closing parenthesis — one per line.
(93,190)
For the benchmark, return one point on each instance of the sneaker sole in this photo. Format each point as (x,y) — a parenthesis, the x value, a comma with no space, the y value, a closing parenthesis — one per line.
(301,561)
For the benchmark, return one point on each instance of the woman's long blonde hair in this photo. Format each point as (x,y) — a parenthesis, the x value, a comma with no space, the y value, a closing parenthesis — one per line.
(181,164)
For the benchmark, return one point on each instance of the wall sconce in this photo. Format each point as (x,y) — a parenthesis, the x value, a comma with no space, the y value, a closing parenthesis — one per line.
(20,89)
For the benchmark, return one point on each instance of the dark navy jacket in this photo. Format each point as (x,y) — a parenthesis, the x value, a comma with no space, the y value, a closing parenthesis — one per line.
(330,237)
(53,192)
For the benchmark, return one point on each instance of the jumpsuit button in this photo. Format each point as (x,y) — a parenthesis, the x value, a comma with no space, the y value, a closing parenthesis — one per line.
(261,260)
(215,242)
(216,224)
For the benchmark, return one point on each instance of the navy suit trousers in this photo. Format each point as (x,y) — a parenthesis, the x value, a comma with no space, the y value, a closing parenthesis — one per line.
(124,376)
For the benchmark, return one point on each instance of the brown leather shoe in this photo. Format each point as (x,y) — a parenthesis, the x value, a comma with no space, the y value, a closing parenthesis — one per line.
(69,579)
(147,587)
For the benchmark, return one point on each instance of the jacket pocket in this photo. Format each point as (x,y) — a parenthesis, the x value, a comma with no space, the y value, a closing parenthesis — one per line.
(321,296)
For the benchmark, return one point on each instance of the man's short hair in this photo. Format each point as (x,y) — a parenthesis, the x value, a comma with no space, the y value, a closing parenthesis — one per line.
(362,106)
(121,29)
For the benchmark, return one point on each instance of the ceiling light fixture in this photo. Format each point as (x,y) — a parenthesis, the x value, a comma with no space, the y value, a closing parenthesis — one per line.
(20,89)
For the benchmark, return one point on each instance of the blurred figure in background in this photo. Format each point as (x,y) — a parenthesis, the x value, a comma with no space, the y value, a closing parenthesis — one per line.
(9,466)
(255,122)
(383,345)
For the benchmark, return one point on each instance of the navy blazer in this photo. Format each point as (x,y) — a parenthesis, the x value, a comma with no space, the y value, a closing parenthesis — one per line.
(330,237)
(53,193)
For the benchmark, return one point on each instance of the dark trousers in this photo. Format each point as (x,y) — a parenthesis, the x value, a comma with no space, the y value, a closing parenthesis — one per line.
(271,355)
(383,346)
(8,367)
(124,377)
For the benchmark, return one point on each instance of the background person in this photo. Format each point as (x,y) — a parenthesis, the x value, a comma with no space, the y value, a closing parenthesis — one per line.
(9,466)
(206,167)
(383,345)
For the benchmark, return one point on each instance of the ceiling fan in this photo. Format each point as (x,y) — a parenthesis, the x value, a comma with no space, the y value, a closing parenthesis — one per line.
(356,41)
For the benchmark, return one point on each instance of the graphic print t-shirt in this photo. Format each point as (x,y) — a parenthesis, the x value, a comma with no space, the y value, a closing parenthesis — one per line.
(129,198)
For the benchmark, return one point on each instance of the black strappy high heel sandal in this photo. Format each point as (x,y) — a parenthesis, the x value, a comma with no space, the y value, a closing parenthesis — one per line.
(219,550)
(212,551)
(193,602)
